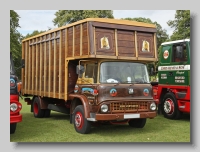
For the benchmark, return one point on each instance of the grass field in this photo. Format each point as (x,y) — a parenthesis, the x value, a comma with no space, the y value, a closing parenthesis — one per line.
(57,128)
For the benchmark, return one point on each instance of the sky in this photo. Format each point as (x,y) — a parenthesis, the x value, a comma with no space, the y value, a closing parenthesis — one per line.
(41,20)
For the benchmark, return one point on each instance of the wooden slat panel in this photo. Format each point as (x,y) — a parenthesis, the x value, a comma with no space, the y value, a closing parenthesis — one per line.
(81,40)
(94,40)
(50,62)
(29,68)
(54,72)
(77,32)
(40,80)
(32,68)
(73,45)
(63,61)
(45,68)
(155,45)
(66,63)
(136,42)
(26,65)
(116,44)
(37,66)
(60,66)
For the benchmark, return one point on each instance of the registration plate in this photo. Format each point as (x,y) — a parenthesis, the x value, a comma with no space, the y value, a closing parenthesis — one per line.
(128,116)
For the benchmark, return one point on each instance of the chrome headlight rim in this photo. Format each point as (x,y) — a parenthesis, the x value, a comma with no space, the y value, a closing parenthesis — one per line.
(104,108)
(153,106)
(13,107)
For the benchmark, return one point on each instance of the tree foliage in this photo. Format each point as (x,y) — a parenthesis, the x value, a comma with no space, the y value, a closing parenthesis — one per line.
(36,32)
(181,23)
(15,41)
(64,17)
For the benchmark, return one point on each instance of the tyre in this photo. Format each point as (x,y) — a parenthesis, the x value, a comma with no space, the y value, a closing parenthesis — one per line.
(13,128)
(170,107)
(137,123)
(81,124)
(47,113)
(37,111)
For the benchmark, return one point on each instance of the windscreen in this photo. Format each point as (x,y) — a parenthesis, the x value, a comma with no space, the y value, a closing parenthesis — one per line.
(123,72)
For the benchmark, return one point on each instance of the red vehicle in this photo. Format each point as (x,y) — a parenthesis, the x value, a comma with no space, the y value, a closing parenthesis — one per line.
(15,105)
(172,90)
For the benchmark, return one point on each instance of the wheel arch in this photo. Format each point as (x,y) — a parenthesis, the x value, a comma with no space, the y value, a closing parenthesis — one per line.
(162,94)
(79,100)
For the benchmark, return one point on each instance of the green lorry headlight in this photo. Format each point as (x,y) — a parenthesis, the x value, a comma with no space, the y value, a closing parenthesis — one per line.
(104,108)
(153,106)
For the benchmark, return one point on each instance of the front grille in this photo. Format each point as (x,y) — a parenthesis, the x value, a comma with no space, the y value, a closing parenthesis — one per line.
(125,107)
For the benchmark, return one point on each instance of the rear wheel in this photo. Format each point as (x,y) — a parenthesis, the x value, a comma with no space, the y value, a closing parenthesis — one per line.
(137,123)
(170,107)
(81,124)
(13,128)
(37,111)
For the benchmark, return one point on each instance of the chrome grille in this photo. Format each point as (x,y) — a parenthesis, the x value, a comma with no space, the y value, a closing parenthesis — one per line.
(128,107)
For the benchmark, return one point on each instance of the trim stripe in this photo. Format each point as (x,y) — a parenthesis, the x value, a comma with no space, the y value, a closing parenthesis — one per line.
(173,67)
(178,41)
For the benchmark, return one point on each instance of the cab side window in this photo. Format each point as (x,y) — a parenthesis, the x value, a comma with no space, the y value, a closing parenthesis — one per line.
(179,53)
(91,71)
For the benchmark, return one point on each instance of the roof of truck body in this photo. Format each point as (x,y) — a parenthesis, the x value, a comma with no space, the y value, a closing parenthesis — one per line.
(103,20)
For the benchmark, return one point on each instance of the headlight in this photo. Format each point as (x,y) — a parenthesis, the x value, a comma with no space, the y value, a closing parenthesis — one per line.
(104,108)
(153,106)
(13,107)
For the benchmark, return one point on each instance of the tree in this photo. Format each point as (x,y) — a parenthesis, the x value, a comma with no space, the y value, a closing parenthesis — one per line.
(64,17)
(15,41)
(181,23)
(36,32)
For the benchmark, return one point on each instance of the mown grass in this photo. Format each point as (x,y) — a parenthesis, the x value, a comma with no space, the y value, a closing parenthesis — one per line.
(57,128)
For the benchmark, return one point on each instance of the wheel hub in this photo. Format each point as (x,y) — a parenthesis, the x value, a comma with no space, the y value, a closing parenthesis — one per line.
(78,120)
(35,108)
(168,106)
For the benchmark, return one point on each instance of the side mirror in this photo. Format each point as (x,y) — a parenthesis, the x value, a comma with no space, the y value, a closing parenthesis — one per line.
(22,63)
(80,69)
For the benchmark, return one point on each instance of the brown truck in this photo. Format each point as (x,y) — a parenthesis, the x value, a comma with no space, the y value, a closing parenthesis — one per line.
(94,69)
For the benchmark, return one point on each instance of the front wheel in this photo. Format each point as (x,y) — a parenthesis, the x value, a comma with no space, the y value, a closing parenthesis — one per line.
(81,124)
(13,128)
(169,107)
(137,123)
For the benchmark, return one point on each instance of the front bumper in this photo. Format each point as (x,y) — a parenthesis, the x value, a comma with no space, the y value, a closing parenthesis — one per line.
(16,118)
(122,116)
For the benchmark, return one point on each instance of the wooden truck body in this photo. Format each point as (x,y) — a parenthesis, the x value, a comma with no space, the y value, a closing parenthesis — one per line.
(68,70)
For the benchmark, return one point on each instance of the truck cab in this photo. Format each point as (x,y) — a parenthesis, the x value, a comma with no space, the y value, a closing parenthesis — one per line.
(173,89)
(15,105)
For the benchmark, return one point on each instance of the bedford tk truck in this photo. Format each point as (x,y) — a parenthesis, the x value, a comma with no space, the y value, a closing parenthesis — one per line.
(94,70)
